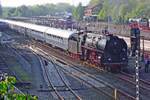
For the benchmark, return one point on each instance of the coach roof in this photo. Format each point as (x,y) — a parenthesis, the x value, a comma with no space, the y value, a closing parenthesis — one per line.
(49,30)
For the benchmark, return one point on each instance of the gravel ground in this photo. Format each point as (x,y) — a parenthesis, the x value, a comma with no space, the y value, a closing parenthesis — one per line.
(37,77)
(86,93)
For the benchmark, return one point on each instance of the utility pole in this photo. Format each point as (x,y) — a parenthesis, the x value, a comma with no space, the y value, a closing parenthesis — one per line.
(137,75)
(143,47)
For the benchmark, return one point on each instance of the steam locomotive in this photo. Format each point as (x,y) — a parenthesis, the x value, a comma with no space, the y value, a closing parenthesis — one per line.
(103,50)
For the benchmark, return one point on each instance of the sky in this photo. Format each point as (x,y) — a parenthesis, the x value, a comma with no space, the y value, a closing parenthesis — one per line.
(15,3)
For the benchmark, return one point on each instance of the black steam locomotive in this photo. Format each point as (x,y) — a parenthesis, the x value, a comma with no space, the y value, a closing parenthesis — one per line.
(108,51)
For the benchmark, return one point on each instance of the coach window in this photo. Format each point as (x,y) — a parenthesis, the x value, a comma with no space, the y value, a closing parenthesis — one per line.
(53,37)
(59,38)
(56,38)
(63,41)
(50,36)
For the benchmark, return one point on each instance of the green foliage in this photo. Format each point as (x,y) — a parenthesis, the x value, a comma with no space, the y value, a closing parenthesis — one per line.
(7,90)
(95,1)
(75,14)
(36,10)
(121,10)
(103,14)
(7,84)
(0,10)
(20,97)
(78,12)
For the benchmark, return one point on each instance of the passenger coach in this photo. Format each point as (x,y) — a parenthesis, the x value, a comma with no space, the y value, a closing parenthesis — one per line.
(54,36)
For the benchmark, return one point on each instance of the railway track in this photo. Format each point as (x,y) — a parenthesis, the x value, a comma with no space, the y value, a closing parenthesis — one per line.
(133,91)
(131,78)
(50,83)
(74,75)
(65,83)
(19,52)
(110,89)
(66,86)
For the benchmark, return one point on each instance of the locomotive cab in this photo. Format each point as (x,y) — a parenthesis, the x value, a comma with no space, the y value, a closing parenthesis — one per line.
(74,46)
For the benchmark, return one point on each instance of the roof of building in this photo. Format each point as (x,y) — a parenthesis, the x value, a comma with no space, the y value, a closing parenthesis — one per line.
(49,30)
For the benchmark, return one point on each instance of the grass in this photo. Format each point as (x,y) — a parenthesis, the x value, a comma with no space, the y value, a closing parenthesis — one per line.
(16,67)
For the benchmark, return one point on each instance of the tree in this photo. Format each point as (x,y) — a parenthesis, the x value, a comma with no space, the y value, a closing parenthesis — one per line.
(37,10)
(122,10)
(0,10)
(7,90)
(78,12)
(95,1)
(104,12)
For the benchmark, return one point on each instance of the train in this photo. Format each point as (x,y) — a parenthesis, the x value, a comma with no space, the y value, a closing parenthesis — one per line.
(143,23)
(107,51)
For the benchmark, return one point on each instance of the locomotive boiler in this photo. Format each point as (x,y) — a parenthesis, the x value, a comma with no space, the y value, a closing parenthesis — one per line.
(108,51)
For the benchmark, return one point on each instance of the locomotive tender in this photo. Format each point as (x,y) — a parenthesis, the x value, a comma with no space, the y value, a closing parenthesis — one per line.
(108,51)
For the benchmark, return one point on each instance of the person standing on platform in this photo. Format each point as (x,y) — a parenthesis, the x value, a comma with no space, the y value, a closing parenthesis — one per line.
(146,62)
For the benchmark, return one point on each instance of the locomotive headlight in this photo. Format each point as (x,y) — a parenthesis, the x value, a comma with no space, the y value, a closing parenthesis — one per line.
(123,58)
(109,59)
(99,57)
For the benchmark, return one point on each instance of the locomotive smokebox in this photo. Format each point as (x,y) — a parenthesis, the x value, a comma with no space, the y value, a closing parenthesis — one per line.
(135,40)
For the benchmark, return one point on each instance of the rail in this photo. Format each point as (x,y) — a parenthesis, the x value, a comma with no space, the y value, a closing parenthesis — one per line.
(78,98)
(128,77)
(49,81)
